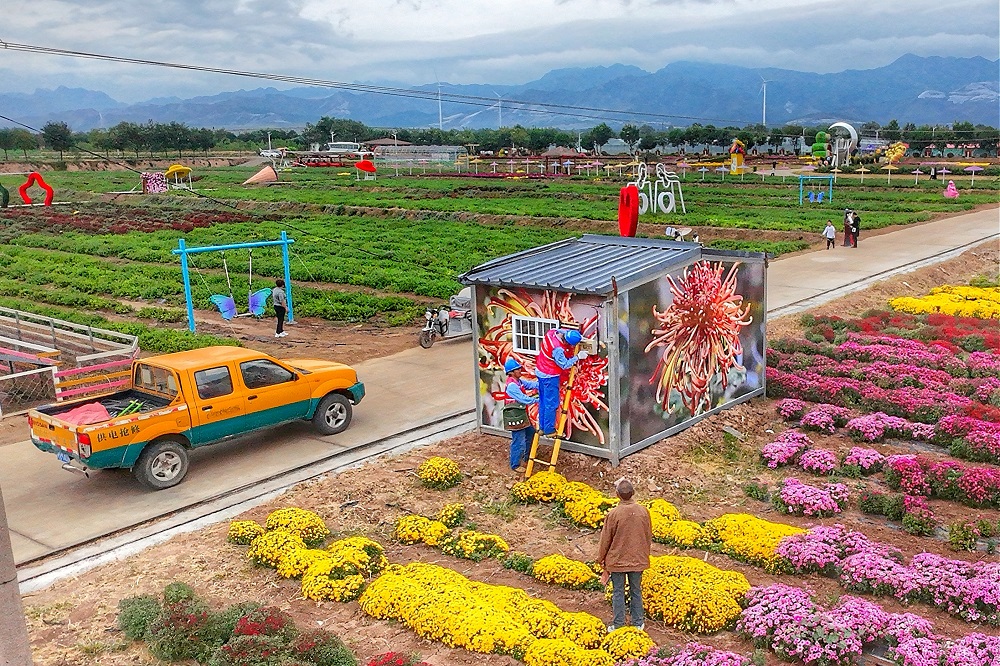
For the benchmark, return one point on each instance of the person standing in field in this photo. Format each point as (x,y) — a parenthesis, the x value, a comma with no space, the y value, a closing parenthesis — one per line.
(830,234)
(280,301)
(623,554)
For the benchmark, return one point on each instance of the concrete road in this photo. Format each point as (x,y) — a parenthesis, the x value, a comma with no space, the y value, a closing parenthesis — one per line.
(51,510)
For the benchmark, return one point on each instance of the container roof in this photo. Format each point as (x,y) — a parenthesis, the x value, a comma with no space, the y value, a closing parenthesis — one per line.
(585,265)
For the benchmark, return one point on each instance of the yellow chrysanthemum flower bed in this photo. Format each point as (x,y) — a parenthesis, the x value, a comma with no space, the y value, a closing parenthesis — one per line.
(562,571)
(319,584)
(418,529)
(269,548)
(959,301)
(294,563)
(589,509)
(692,595)
(627,643)
(439,473)
(683,533)
(452,515)
(750,539)
(443,605)
(563,652)
(243,532)
(307,525)
(541,487)
(475,546)
(365,555)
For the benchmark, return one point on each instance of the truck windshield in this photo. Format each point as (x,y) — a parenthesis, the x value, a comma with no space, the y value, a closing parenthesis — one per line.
(157,380)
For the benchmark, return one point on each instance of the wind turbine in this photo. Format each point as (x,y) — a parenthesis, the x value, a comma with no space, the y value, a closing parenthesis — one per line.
(499,109)
(763,109)
(440,117)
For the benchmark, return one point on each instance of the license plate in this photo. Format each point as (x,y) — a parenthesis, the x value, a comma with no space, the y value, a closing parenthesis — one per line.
(63,457)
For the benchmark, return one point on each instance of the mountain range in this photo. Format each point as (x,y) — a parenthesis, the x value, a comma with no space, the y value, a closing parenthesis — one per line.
(933,90)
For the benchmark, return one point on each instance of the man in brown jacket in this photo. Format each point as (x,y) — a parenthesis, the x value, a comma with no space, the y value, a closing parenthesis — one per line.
(624,553)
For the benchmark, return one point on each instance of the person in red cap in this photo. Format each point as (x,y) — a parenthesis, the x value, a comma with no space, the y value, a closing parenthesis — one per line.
(555,358)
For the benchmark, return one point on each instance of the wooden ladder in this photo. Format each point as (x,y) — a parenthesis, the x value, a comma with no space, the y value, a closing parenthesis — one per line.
(560,430)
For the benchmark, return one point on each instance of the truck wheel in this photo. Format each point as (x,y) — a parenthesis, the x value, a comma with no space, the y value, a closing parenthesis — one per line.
(333,414)
(161,465)
(426,339)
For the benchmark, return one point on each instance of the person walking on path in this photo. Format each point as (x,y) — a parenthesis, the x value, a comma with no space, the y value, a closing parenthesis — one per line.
(847,227)
(517,394)
(555,358)
(280,301)
(623,554)
(830,234)
(855,227)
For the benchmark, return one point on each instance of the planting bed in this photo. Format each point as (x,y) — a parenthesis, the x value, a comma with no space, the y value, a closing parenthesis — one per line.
(496,572)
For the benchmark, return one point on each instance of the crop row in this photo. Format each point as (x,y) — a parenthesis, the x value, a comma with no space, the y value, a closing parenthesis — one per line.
(71,273)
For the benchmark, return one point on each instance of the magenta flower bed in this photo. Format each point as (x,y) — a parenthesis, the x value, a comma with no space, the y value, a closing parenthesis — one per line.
(949,479)
(818,461)
(791,409)
(860,461)
(787,620)
(692,654)
(785,449)
(878,426)
(802,499)
(968,590)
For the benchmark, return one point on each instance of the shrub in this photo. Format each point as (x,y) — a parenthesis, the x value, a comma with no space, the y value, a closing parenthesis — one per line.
(520,562)
(266,621)
(243,532)
(305,524)
(136,614)
(221,624)
(176,592)
(452,515)
(757,491)
(179,632)
(257,650)
(396,659)
(917,516)
(439,473)
(322,648)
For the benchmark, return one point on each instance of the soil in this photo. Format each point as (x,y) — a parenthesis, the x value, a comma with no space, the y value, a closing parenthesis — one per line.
(72,622)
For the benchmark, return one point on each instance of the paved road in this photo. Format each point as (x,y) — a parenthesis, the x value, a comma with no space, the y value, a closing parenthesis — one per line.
(51,510)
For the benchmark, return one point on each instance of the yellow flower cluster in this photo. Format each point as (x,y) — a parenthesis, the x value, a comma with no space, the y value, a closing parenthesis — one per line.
(318,585)
(367,557)
(243,532)
(749,538)
(541,487)
(669,528)
(563,652)
(269,548)
(338,573)
(959,301)
(691,594)
(307,525)
(475,546)
(562,571)
(452,515)
(417,529)
(294,563)
(439,473)
(443,605)
(588,509)
(627,643)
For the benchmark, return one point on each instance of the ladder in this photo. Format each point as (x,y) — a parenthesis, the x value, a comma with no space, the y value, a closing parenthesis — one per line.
(560,430)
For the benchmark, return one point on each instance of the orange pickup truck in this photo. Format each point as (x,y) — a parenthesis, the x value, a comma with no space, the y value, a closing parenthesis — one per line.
(189,399)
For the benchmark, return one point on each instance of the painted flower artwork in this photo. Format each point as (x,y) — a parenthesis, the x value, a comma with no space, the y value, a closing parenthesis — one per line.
(698,335)
(496,346)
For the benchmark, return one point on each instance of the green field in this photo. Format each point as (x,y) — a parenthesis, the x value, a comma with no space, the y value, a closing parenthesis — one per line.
(375,251)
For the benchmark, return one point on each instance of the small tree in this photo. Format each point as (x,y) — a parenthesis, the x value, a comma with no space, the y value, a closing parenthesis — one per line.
(599,136)
(24,141)
(631,136)
(6,141)
(57,136)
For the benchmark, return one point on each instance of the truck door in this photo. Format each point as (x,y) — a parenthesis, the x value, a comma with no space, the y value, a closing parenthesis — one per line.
(220,410)
(274,393)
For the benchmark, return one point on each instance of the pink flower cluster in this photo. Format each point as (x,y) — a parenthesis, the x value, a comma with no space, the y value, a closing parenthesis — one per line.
(970,438)
(802,499)
(818,461)
(865,461)
(983,364)
(785,449)
(823,548)
(691,654)
(787,620)
(948,479)
(878,426)
(790,409)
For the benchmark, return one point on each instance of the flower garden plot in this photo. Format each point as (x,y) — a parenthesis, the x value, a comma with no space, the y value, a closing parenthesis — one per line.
(959,301)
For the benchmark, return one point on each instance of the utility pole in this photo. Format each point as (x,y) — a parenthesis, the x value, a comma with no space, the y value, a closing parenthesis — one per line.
(15,650)
(440,117)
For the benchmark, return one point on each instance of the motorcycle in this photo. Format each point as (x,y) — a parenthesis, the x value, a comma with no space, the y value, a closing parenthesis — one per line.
(446,321)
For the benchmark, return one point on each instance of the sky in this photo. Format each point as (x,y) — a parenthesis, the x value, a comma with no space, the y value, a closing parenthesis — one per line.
(501,42)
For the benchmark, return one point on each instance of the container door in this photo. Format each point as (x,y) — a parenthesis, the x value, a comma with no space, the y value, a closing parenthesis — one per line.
(220,410)
(274,393)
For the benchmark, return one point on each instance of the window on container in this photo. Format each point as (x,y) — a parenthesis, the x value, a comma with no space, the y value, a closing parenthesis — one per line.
(527,333)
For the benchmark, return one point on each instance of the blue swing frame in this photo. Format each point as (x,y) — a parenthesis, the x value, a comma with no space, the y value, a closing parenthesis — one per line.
(803,179)
(183,250)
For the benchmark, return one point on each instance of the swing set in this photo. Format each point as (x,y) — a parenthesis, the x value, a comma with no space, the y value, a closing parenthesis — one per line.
(256,300)
(815,197)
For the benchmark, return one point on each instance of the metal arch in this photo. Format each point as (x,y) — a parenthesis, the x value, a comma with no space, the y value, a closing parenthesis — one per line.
(853,132)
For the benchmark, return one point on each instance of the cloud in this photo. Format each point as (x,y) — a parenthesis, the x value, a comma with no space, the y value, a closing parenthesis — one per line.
(469,41)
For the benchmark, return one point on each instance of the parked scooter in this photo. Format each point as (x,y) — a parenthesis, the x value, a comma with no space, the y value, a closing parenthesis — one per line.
(446,321)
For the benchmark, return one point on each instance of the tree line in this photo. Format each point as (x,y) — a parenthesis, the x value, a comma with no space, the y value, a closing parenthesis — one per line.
(128,139)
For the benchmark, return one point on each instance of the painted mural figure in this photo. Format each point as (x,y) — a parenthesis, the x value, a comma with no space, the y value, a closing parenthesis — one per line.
(517,392)
(555,358)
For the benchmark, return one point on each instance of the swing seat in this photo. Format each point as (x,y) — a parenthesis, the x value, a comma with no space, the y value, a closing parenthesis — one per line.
(819,198)
(812,197)
(226,305)
(258,300)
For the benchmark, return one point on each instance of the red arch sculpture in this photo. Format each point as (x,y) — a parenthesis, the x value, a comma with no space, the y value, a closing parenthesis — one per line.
(628,211)
(35,178)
